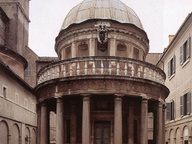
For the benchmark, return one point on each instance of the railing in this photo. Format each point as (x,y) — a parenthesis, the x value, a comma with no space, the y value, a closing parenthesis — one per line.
(113,66)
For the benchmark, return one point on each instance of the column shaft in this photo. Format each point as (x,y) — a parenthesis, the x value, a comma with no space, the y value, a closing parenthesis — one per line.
(163,124)
(118,121)
(38,124)
(144,121)
(44,130)
(59,122)
(159,124)
(86,121)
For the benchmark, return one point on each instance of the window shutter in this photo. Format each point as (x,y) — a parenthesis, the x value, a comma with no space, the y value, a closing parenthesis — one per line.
(188,103)
(188,48)
(181,105)
(168,111)
(169,69)
(172,110)
(174,64)
(181,54)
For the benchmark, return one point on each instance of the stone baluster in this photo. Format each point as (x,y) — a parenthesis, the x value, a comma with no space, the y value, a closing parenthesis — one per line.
(139,72)
(58,71)
(93,67)
(110,67)
(150,73)
(78,68)
(145,73)
(64,70)
(85,68)
(53,73)
(125,69)
(48,74)
(117,68)
(132,70)
(70,69)
(102,67)
(154,75)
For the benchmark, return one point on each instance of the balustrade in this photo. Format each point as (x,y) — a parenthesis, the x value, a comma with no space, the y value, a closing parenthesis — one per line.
(113,66)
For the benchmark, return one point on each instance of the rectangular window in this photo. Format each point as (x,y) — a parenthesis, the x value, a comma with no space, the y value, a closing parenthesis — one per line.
(170,111)
(185,104)
(185,51)
(171,66)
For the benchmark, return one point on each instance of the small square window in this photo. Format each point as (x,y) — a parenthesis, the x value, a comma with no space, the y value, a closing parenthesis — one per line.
(28,71)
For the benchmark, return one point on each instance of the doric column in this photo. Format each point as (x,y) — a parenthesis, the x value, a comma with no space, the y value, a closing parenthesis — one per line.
(86,120)
(38,124)
(44,130)
(118,120)
(159,124)
(59,122)
(163,124)
(144,121)
(73,124)
(131,123)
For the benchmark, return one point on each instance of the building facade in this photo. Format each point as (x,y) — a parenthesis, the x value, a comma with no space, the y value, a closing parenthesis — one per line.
(18,116)
(101,90)
(176,62)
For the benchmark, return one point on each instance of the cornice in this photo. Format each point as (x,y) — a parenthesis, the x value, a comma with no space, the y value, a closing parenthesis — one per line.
(13,54)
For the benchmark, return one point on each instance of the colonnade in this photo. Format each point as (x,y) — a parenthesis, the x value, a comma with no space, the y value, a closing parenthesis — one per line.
(86,122)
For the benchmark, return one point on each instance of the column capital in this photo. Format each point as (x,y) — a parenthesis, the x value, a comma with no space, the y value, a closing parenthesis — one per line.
(43,103)
(145,98)
(119,95)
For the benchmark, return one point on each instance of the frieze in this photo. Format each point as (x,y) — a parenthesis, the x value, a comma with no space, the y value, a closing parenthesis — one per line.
(107,86)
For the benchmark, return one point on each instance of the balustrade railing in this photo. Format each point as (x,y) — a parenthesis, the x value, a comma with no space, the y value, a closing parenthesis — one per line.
(114,66)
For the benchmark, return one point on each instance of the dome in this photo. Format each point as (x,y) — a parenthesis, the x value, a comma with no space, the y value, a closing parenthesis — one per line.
(102,9)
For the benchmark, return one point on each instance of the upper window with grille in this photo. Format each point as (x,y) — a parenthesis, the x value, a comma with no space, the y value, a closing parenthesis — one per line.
(185,51)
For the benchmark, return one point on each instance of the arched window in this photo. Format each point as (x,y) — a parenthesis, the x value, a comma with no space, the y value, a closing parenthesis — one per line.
(121,50)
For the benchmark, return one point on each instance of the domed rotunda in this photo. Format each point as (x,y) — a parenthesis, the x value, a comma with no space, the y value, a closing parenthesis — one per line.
(101,89)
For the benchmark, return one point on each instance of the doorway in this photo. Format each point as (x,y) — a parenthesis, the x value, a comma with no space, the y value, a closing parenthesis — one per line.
(102,133)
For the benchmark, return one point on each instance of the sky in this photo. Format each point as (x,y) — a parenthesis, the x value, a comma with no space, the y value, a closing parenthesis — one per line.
(160,18)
